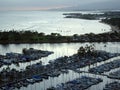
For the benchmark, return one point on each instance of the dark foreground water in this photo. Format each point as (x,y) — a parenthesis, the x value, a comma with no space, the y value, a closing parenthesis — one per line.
(60,50)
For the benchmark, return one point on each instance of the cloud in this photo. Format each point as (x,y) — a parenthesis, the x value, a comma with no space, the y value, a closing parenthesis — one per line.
(28,4)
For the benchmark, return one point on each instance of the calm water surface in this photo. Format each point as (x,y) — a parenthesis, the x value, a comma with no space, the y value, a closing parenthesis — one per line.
(49,21)
(59,50)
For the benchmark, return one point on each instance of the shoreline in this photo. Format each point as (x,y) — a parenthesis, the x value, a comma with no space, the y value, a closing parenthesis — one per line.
(111,36)
(114,28)
(33,37)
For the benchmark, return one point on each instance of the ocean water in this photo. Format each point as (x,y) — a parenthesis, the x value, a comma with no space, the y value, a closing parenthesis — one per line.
(48,22)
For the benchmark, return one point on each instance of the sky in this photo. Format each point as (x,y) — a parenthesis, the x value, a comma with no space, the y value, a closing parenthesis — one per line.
(46,4)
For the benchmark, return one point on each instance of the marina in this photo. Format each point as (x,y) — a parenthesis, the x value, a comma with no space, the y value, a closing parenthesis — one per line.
(59,45)
(68,71)
(78,84)
(112,86)
(27,55)
(105,67)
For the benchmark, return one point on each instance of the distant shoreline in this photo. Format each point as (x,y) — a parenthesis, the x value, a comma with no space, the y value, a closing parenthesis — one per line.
(30,37)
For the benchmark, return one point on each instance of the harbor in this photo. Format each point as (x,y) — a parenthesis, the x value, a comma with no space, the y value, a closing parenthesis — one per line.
(27,55)
(53,71)
(59,45)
